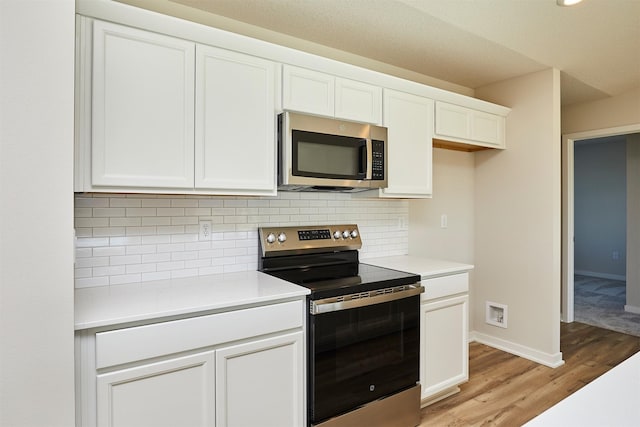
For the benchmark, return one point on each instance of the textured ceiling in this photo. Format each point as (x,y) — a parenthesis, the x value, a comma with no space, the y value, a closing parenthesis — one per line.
(472,43)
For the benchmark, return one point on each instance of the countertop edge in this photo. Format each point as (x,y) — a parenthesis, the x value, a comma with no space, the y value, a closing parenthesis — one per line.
(426,267)
(118,306)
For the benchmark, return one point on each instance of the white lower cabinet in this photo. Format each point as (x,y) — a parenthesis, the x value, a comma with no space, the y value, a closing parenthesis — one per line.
(233,369)
(260,383)
(444,341)
(175,392)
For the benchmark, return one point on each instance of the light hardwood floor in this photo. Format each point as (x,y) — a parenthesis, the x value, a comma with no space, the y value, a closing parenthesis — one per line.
(507,390)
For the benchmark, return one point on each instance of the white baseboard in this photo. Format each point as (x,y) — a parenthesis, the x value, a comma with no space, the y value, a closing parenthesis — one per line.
(632,309)
(547,359)
(601,275)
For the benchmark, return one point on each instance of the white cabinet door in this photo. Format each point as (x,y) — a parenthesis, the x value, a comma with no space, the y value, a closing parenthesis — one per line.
(260,383)
(142,109)
(308,91)
(313,92)
(235,123)
(358,101)
(409,119)
(462,124)
(444,345)
(174,392)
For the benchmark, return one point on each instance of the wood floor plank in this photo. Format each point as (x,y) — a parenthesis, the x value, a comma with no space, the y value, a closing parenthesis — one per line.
(507,390)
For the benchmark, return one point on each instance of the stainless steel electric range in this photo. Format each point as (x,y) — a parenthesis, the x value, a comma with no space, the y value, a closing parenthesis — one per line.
(362,322)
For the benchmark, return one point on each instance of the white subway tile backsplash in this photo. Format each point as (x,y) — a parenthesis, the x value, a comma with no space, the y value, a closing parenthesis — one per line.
(170,212)
(156,203)
(122,202)
(142,237)
(109,251)
(108,212)
(125,259)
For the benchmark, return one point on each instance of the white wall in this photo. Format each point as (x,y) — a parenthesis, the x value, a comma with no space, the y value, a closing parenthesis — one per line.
(517,228)
(453,196)
(600,201)
(36,213)
(615,111)
(633,225)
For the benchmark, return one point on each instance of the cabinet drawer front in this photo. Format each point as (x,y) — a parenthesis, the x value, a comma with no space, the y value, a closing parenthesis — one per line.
(158,339)
(444,286)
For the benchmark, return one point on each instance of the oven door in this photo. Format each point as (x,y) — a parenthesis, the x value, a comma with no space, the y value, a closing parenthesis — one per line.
(363,352)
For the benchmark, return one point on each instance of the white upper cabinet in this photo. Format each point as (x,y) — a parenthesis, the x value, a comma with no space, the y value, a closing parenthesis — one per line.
(318,93)
(235,122)
(156,114)
(142,109)
(410,132)
(358,101)
(308,91)
(466,125)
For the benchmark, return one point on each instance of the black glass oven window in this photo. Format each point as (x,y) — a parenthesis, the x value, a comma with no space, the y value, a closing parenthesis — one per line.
(362,354)
(328,156)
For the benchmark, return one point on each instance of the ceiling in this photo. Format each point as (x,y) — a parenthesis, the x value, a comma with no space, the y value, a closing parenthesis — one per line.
(472,43)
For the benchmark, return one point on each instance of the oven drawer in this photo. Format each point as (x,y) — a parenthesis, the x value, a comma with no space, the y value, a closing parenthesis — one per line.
(159,339)
(438,287)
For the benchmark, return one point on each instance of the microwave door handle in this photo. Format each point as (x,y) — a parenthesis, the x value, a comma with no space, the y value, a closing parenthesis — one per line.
(366,160)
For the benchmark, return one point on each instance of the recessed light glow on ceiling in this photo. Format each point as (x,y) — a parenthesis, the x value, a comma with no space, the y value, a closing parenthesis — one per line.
(567,2)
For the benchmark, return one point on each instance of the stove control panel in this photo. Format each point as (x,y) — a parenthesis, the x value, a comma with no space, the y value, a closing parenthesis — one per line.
(291,240)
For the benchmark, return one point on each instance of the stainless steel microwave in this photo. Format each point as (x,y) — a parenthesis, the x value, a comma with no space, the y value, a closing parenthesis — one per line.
(324,154)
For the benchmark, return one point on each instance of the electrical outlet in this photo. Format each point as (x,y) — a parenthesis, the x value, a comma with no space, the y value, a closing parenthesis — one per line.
(402,223)
(444,221)
(205,230)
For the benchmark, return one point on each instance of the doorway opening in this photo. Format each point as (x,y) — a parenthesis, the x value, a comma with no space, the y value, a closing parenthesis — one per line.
(569,267)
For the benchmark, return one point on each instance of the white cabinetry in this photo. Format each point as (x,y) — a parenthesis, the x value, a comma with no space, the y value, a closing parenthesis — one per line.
(230,369)
(444,341)
(259,383)
(174,392)
(141,109)
(313,92)
(468,126)
(235,122)
(410,132)
(170,115)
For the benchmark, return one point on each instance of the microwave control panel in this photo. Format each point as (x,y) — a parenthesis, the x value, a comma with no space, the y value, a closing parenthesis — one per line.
(377,162)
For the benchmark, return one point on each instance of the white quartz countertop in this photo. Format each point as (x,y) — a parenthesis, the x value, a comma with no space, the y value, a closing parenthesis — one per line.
(425,267)
(114,305)
(612,399)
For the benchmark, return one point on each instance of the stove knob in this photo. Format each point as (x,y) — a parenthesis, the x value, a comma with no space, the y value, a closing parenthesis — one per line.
(271,238)
(346,234)
(282,237)
(354,234)
(337,234)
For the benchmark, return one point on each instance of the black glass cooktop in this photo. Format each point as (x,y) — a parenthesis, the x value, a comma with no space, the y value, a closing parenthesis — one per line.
(337,279)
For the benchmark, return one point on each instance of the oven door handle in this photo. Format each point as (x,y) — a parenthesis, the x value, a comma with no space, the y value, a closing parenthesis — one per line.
(345,302)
